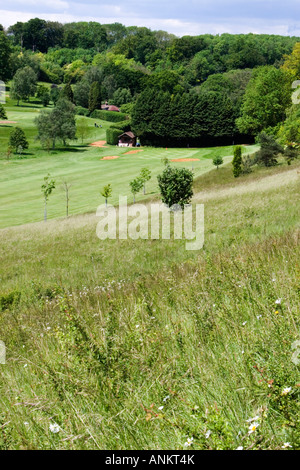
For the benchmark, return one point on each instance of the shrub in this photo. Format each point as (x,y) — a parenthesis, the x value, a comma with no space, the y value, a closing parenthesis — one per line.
(291,152)
(237,161)
(8,300)
(2,112)
(217,161)
(80,111)
(18,139)
(247,163)
(112,135)
(127,108)
(269,150)
(124,125)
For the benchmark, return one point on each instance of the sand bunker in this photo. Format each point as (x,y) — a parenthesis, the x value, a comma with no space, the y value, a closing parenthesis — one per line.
(8,122)
(109,157)
(133,151)
(185,160)
(99,143)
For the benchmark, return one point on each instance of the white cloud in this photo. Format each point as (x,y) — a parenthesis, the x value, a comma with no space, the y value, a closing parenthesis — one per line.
(215,18)
(46,5)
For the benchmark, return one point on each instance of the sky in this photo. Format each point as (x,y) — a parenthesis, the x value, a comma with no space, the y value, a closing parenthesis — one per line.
(191,17)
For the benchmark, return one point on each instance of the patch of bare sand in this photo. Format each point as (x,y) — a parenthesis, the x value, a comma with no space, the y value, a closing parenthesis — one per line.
(99,143)
(133,151)
(185,160)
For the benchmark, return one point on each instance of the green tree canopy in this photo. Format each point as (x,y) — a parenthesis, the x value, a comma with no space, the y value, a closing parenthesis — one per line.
(289,132)
(269,150)
(58,124)
(18,139)
(217,161)
(5,50)
(135,186)
(2,112)
(95,97)
(23,84)
(266,99)
(106,192)
(67,92)
(176,186)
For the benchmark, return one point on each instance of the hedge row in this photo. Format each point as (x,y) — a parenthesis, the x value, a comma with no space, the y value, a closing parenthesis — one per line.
(124,125)
(80,111)
(111,116)
(112,135)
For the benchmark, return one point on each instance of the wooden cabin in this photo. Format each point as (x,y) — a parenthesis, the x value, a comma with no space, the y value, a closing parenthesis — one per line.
(127,139)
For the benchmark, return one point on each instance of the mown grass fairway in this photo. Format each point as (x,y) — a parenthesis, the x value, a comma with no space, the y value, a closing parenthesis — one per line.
(81,166)
(136,345)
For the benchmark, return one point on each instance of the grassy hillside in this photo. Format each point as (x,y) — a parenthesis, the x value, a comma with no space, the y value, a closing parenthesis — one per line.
(144,345)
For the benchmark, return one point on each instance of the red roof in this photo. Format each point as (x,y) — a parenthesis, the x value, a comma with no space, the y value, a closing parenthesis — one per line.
(110,107)
(129,134)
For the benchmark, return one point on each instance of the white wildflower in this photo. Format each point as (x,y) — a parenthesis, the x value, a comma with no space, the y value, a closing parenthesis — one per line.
(286,445)
(189,442)
(55,428)
(253,426)
(286,391)
(250,420)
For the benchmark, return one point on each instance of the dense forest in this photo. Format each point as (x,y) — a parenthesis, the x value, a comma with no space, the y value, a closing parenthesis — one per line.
(177,91)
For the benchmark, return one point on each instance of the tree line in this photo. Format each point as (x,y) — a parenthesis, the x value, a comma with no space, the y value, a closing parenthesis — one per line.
(233,101)
(63,51)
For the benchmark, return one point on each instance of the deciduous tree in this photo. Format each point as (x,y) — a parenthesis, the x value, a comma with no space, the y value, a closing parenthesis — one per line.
(217,161)
(23,84)
(58,124)
(135,186)
(18,139)
(47,187)
(176,186)
(145,176)
(106,192)
(266,99)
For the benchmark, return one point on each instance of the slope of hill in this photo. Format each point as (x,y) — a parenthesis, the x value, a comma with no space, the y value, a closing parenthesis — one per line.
(144,345)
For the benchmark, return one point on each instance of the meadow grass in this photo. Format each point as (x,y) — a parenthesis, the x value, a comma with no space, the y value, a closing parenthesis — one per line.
(142,344)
